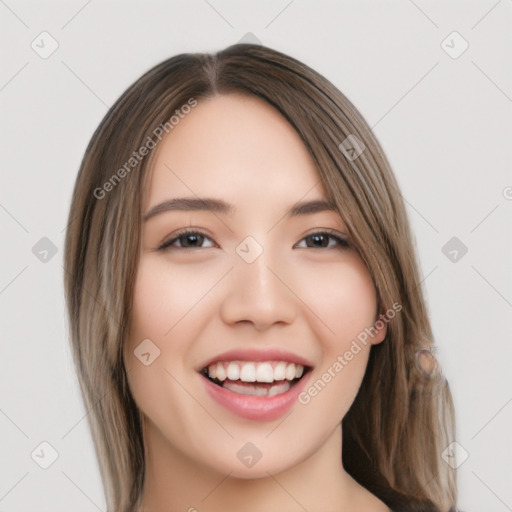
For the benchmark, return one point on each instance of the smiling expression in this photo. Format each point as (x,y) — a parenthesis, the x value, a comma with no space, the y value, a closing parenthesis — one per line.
(250,287)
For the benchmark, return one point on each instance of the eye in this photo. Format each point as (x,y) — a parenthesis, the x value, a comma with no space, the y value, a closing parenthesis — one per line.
(188,239)
(324,240)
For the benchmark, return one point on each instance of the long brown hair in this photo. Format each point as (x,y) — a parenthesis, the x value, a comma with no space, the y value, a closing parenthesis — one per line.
(400,421)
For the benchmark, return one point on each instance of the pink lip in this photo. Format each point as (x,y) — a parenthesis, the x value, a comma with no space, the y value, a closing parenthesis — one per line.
(260,408)
(257,355)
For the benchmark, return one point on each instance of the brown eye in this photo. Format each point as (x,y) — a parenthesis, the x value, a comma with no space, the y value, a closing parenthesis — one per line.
(191,240)
(187,240)
(324,240)
(318,240)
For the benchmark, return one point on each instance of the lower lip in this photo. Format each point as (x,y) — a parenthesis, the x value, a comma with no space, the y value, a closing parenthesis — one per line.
(259,408)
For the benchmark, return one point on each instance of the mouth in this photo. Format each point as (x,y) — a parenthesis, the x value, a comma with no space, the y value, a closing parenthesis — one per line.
(254,383)
(255,378)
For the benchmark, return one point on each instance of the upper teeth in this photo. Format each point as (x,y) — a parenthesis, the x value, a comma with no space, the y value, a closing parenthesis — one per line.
(255,372)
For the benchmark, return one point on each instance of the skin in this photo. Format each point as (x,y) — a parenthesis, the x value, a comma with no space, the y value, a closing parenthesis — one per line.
(199,301)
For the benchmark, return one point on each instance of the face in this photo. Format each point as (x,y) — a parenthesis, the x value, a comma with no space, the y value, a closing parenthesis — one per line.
(243,326)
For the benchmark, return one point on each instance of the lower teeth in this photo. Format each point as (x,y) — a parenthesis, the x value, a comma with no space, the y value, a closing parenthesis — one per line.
(251,389)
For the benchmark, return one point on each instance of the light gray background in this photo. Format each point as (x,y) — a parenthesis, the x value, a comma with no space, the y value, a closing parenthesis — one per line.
(444,122)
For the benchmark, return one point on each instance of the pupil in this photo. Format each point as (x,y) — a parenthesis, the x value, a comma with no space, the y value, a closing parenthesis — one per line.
(191,238)
(318,238)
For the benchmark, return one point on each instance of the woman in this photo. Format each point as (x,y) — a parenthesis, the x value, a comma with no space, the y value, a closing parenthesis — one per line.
(246,317)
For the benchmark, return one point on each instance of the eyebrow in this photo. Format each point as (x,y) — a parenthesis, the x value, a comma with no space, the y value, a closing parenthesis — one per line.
(219,206)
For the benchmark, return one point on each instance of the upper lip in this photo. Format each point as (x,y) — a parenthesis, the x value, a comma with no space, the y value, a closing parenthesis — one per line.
(257,355)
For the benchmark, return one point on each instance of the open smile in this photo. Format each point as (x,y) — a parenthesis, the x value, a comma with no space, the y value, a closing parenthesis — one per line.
(255,389)
(269,378)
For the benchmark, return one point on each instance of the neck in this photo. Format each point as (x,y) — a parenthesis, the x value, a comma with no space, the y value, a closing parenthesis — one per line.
(175,482)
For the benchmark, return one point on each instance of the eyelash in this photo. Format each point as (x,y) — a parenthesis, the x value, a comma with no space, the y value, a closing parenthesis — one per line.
(342,243)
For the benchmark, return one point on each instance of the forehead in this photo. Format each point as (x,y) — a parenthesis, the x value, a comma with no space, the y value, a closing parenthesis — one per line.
(232,146)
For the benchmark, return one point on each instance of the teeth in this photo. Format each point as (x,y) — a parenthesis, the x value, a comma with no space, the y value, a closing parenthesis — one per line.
(290,372)
(244,389)
(255,372)
(248,372)
(221,372)
(233,371)
(264,373)
(278,389)
(280,371)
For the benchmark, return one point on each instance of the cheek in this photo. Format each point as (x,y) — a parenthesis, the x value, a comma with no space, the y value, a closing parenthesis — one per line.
(171,308)
(344,301)
(165,319)
(165,299)
(330,393)
(157,307)
(343,298)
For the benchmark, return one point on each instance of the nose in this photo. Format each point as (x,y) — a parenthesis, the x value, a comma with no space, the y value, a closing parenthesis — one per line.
(259,294)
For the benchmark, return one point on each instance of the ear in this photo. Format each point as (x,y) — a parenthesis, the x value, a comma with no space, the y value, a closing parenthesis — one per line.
(381,329)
